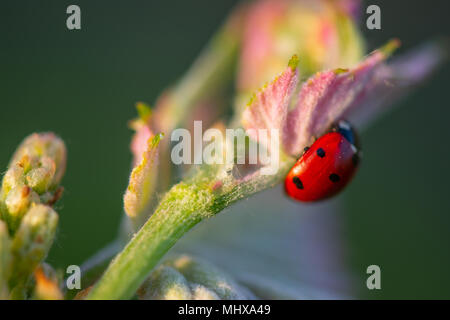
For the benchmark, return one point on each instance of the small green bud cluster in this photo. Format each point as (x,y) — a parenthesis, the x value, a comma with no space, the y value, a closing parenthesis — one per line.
(32,240)
(28,223)
(34,174)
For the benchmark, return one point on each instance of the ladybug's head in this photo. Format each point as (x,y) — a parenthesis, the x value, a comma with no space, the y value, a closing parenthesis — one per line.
(345,128)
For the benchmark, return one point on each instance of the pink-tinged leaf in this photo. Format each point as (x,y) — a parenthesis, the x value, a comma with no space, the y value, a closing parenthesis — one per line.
(143,132)
(268,108)
(395,80)
(143,180)
(325,98)
(139,143)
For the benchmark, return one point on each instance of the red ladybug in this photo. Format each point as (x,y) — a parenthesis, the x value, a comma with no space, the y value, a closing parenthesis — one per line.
(326,167)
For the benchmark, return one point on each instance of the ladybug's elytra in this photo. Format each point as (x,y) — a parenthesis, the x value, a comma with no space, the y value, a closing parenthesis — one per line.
(326,167)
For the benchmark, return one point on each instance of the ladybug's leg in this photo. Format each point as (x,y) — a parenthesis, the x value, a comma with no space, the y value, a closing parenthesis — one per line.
(304,150)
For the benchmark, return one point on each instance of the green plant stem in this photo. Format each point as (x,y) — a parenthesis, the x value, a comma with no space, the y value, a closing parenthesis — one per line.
(127,271)
(183,206)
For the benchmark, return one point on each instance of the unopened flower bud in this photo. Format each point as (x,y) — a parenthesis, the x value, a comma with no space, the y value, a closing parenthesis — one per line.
(201,272)
(34,174)
(17,203)
(200,292)
(32,241)
(47,284)
(165,283)
(46,148)
(5,260)
(13,178)
(188,278)
(40,179)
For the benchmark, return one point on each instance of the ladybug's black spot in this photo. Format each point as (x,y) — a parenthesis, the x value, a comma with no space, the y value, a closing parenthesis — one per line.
(320,152)
(298,183)
(334,177)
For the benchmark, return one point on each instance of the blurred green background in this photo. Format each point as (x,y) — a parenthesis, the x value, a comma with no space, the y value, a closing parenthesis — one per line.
(83,85)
